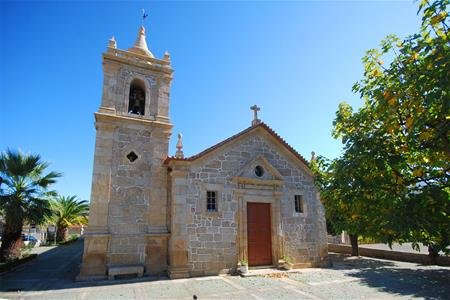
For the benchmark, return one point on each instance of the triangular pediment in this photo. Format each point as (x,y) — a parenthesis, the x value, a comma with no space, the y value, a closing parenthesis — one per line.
(260,129)
(259,171)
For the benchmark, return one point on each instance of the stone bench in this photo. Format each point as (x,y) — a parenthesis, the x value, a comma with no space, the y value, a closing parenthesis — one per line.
(125,270)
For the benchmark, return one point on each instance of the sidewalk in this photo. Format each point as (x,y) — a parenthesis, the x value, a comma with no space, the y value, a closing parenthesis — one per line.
(54,268)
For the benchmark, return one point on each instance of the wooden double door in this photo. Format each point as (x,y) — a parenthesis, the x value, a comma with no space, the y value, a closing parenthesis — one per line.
(259,234)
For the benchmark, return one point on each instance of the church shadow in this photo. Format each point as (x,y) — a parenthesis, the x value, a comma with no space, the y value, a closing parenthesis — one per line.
(428,282)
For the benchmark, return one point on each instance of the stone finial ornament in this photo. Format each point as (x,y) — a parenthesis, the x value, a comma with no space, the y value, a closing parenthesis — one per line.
(112,43)
(140,45)
(313,155)
(166,56)
(255,109)
(179,153)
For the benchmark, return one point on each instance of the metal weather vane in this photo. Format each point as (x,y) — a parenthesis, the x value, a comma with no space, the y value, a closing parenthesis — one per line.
(144,15)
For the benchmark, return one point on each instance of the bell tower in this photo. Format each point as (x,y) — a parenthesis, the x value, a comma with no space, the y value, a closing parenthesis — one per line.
(128,212)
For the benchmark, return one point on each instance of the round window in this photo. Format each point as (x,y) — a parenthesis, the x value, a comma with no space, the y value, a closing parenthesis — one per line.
(259,171)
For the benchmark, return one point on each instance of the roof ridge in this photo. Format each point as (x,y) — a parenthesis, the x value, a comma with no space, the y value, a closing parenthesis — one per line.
(286,144)
(218,145)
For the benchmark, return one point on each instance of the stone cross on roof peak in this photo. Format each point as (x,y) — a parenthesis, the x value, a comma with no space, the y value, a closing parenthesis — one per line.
(255,109)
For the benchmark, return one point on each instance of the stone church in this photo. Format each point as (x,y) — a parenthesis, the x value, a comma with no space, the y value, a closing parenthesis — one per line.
(248,198)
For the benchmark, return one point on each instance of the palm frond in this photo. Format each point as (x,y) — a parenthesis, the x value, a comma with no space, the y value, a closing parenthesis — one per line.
(17,164)
(48,179)
(38,210)
(24,188)
(69,210)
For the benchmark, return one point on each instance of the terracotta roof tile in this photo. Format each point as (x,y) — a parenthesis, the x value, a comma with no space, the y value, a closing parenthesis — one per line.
(218,145)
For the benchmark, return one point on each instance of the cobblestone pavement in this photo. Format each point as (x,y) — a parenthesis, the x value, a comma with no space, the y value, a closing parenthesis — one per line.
(51,277)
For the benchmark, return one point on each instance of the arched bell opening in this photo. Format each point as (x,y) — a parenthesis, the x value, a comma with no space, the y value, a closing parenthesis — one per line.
(136,101)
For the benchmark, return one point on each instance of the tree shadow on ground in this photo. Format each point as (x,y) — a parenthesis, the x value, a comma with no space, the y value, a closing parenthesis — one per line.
(398,278)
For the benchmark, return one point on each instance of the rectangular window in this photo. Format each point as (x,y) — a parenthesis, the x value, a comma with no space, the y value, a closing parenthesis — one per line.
(211,201)
(298,203)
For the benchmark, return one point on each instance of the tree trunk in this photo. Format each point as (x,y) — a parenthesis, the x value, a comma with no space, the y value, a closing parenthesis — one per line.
(11,241)
(62,234)
(354,242)
(433,254)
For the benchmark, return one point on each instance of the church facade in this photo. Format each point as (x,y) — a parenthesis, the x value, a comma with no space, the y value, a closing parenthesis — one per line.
(250,198)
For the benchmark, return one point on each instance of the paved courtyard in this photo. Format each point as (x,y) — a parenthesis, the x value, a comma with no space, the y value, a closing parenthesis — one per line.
(51,277)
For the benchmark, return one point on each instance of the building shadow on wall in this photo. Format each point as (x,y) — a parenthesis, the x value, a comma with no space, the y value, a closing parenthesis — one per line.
(397,278)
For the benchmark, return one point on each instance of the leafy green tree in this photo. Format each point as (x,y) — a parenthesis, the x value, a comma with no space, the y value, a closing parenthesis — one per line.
(68,211)
(24,188)
(349,202)
(396,146)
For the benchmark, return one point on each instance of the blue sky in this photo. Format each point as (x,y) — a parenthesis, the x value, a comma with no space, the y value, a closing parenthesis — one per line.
(296,60)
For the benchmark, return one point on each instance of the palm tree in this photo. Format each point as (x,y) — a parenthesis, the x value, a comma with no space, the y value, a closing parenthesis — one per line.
(23,197)
(68,211)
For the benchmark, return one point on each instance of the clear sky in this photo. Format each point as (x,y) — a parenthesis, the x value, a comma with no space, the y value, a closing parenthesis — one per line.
(296,60)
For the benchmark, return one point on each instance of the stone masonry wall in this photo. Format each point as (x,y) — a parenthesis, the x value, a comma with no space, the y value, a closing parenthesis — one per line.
(138,195)
(212,236)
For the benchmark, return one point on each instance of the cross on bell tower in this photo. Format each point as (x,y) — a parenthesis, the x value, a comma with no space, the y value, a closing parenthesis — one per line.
(255,109)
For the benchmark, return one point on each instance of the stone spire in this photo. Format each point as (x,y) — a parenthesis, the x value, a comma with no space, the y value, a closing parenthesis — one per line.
(179,153)
(140,46)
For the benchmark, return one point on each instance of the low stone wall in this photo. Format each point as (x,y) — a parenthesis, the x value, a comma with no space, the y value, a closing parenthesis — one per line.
(389,254)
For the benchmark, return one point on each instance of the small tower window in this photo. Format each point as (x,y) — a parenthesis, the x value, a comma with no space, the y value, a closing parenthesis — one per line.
(132,156)
(136,103)
(211,201)
(298,203)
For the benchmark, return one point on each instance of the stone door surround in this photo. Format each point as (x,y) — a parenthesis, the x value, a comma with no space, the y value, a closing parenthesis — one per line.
(244,195)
